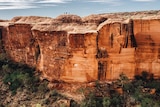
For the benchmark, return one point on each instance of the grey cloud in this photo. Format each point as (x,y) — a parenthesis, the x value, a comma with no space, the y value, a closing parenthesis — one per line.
(143,0)
(111,2)
(25,4)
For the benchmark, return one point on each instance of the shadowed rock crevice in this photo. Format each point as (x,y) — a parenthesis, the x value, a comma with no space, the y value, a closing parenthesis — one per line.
(1,42)
(101,53)
(159,53)
(37,52)
(2,36)
(102,66)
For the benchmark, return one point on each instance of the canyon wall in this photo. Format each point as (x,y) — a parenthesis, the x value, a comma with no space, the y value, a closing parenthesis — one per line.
(116,49)
(18,43)
(148,41)
(84,50)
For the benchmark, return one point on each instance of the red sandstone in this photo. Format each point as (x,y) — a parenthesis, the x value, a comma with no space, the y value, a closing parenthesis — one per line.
(74,49)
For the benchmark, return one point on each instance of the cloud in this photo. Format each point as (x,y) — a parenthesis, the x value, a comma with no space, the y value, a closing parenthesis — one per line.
(106,1)
(16,4)
(111,2)
(26,4)
(53,1)
(144,0)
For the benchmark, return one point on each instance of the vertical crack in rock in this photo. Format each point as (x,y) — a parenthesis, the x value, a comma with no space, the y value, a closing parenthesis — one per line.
(52,53)
(3,32)
(130,40)
(111,40)
(116,49)
(158,53)
(131,34)
(101,53)
(1,42)
(37,53)
(102,67)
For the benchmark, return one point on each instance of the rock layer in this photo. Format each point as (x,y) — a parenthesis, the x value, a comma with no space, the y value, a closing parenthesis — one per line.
(74,49)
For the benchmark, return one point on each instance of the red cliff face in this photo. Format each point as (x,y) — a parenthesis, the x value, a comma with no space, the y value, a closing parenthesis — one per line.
(116,49)
(52,53)
(18,43)
(67,57)
(82,65)
(148,41)
(83,50)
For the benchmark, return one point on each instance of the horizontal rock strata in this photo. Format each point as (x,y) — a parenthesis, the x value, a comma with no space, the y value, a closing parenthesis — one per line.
(74,49)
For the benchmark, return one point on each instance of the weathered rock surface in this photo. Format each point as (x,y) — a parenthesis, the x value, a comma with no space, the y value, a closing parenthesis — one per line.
(74,49)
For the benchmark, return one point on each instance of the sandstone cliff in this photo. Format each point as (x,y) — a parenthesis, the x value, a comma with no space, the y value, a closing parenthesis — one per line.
(74,49)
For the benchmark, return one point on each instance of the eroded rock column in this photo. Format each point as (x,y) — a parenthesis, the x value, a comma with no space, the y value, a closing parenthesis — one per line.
(148,41)
(82,65)
(18,43)
(52,53)
(116,50)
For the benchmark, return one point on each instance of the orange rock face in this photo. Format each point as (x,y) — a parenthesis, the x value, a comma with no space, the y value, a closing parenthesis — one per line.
(52,53)
(18,43)
(82,65)
(148,41)
(116,50)
(82,50)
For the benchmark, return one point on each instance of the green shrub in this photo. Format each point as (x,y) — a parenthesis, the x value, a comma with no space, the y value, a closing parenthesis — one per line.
(43,87)
(92,101)
(13,80)
(117,100)
(3,57)
(46,101)
(73,104)
(106,102)
(54,93)
(145,76)
(18,79)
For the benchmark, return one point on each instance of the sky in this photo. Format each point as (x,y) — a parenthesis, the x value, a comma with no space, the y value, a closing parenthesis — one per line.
(54,8)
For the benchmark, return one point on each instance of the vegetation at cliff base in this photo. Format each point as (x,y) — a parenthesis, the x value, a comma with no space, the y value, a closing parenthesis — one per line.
(21,85)
(17,75)
(143,91)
